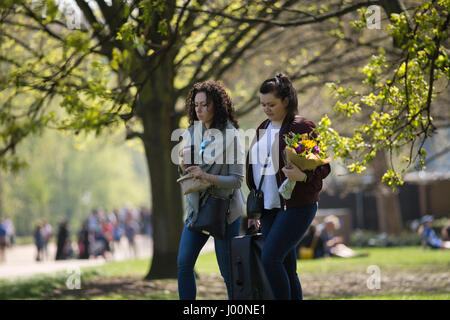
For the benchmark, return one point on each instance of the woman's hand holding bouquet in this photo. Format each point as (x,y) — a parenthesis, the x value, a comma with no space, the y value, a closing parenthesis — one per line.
(303,153)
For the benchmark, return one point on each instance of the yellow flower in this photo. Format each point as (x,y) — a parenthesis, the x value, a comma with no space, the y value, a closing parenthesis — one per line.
(309,144)
(295,145)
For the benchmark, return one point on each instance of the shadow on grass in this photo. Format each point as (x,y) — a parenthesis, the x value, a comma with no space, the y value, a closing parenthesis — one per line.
(119,288)
(98,287)
(93,286)
(36,287)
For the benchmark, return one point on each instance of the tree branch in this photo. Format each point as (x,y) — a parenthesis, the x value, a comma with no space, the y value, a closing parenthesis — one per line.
(311,20)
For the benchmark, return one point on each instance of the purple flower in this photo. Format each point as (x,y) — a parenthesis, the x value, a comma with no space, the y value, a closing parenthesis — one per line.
(300,148)
(316,149)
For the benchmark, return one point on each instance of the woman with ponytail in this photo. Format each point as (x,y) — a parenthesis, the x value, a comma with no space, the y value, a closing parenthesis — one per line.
(283,222)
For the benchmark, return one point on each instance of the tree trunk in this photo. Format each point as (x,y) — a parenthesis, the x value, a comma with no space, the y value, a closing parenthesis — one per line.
(156,101)
(388,204)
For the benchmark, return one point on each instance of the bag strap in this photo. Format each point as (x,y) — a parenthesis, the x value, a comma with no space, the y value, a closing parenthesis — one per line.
(263,173)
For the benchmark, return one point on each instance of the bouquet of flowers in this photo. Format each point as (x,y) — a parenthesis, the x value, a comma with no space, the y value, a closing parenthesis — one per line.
(306,153)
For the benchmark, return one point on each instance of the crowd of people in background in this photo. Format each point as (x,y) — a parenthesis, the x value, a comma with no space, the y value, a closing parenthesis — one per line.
(101,233)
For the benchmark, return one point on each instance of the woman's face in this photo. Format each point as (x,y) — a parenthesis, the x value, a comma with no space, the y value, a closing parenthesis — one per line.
(203,109)
(273,107)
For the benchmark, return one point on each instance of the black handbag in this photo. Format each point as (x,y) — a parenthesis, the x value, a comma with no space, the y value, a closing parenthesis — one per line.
(255,199)
(212,217)
(255,204)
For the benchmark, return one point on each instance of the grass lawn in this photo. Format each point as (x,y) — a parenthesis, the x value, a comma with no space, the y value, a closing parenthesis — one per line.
(406,273)
(388,259)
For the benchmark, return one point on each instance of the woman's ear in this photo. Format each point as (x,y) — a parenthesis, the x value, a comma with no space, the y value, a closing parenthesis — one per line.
(286,102)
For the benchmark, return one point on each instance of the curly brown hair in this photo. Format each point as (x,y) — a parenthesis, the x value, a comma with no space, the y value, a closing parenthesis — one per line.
(223,106)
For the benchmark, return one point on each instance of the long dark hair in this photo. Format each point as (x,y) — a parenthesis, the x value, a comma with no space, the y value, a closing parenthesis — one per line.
(222,104)
(281,86)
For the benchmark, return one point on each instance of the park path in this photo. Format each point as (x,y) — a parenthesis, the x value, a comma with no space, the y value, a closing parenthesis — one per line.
(20,259)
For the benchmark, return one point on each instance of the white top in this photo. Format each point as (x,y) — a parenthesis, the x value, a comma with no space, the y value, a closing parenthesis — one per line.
(269,186)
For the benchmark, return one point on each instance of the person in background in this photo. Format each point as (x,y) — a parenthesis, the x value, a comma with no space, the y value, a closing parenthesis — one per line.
(93,221)
(38,241)
(47,234)
(332,245)
(10,230)
(118,232)
(429,237)
(83,241)
(146,218)
(68,251)
(3,241)
(107,233)
(62,238)
(95,248)
(327,236)
(131,228)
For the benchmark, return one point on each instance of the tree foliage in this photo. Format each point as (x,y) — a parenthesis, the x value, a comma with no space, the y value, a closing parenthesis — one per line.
(398,96)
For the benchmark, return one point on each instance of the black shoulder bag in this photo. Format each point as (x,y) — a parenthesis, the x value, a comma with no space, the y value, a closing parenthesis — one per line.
(255,199)
(212,216)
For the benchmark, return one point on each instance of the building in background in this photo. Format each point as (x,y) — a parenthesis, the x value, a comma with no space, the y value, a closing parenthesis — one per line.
(423,192)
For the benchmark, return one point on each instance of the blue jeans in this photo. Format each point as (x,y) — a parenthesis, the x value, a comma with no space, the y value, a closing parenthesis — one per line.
(191,244)
(282,230)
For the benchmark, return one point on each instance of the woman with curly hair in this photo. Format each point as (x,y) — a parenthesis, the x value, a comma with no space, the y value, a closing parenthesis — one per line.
(218,160)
